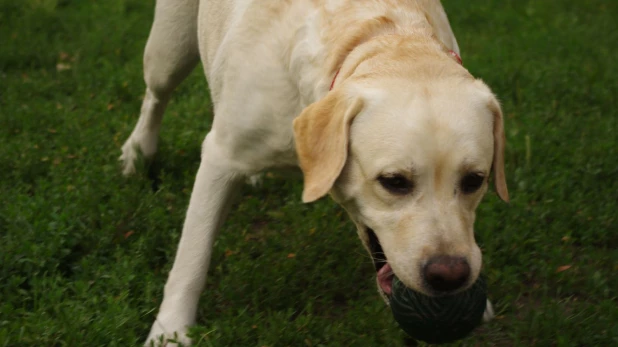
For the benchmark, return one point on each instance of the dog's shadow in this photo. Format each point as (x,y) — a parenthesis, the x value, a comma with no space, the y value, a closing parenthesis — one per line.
(177,165)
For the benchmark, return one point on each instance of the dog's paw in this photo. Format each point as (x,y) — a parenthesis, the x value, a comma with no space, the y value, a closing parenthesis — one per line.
(139,146)
(255,180)
(161,335)
(489,312)
(129,157)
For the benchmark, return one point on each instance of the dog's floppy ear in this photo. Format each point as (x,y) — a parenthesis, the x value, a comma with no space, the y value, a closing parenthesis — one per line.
(499,141)
(321,133)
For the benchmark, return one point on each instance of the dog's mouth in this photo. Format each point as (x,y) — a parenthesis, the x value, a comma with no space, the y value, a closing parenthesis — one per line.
(383,269)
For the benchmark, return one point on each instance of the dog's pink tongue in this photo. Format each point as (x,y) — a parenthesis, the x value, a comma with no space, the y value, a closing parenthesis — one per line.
(385,279)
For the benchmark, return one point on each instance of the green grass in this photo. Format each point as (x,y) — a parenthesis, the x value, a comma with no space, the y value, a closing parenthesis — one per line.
(84,253)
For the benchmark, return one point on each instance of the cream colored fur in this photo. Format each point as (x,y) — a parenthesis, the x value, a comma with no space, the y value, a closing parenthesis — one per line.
(400,105)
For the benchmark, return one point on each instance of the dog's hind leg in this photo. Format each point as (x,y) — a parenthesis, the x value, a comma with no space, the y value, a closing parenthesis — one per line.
(171,54)
(216,183)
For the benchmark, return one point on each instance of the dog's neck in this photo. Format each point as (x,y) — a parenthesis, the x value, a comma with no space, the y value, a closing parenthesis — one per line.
(451,52)
(335,49)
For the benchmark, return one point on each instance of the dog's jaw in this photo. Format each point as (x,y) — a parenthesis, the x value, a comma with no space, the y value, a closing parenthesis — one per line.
(384,272)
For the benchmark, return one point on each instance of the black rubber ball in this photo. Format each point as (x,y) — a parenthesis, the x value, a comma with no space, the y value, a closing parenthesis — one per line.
(438,319)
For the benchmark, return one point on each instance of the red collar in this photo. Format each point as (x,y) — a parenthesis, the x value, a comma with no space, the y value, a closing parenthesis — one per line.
(332,84)
(456,56)
(451,52)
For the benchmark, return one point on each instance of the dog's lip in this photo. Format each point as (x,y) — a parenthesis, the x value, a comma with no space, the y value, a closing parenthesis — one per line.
(384,270)
(385,279)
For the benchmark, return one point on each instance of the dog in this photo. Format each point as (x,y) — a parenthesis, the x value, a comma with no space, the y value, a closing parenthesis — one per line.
(369,98)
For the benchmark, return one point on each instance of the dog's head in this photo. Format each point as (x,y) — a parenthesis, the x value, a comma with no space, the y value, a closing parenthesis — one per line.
(410,162)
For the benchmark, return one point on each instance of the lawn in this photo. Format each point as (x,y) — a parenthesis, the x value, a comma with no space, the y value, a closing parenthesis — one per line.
(84,252)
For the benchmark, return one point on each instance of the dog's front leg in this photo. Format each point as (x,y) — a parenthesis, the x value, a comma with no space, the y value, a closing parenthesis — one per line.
(214,187)
(489,312)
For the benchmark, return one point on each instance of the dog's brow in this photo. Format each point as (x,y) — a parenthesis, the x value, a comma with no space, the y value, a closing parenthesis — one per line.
(471,166)
(408,172)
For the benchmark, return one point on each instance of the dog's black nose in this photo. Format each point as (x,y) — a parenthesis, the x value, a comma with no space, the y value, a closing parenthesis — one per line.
(445,273)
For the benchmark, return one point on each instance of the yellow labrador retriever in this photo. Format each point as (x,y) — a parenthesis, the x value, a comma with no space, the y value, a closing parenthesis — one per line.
(368,97)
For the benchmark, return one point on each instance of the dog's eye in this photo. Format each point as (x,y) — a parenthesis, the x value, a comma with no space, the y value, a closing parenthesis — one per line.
(396,184)
(470,183)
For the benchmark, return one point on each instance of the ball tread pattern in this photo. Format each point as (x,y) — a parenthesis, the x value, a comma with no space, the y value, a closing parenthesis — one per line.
(439,319)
